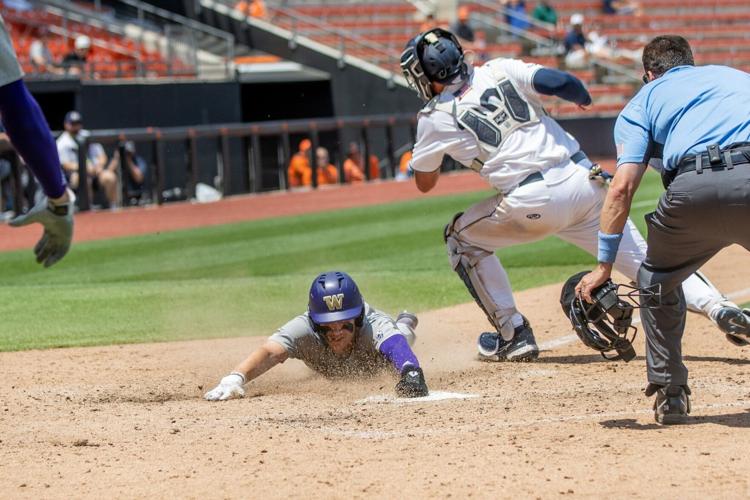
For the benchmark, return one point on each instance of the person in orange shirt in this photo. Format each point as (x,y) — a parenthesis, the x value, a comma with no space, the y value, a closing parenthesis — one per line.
(428,23)
(353,171)
(403,166)
(327,173)
(299,172)
(253,8)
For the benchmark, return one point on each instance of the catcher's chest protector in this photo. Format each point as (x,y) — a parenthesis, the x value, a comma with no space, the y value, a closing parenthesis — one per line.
(491,109)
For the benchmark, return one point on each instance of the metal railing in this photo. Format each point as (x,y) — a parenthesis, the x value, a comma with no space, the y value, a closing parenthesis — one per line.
(250,135)
(348,43)
(154,22)
(544,35)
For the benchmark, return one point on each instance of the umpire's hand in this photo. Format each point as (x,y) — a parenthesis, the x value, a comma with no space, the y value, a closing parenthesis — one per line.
(411,384)
(57,219)
(230,387)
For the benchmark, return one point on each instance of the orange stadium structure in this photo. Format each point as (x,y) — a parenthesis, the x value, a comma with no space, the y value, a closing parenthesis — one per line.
(112,55)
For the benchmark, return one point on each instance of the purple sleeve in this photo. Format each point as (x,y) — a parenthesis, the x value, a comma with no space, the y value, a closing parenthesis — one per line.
(28,131)
(396,350)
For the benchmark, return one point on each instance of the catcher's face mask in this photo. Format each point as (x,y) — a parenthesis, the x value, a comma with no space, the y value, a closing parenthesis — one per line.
(605,325)
(432,56)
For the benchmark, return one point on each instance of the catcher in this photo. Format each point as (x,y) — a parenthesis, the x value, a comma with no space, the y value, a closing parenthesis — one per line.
(339,335)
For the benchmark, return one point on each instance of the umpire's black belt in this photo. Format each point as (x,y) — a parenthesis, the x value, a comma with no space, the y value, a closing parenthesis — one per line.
(537,176)
(713,159)
(727,160)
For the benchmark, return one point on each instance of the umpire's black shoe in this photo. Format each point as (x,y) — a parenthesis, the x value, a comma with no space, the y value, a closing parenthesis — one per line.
(672,403)
(735,323)
(493,347)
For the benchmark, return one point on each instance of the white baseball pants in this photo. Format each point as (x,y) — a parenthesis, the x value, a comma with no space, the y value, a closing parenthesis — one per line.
(567,204)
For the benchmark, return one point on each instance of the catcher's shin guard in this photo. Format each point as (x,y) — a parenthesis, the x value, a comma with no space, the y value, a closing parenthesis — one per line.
(464,259)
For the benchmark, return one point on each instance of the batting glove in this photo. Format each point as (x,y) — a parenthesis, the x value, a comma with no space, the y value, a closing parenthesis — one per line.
(230,387)
(57,220)
(597,174)
(412,384)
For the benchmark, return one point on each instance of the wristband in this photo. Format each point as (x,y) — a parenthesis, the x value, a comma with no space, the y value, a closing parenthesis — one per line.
(608,245)
(241,376)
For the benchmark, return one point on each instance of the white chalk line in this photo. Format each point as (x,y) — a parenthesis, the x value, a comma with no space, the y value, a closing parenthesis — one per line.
(553,344)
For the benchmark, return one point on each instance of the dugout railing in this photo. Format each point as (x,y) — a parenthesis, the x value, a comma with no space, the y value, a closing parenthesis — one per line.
(251,154)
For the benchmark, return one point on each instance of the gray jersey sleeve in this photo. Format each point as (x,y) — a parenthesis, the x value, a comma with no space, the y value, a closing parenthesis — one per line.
(295,336)
(10,70)
(380,326)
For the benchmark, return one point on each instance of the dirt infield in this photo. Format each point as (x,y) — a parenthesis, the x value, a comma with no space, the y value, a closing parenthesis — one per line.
(128,421)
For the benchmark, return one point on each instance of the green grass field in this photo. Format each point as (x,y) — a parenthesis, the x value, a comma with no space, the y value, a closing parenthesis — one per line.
(248,278)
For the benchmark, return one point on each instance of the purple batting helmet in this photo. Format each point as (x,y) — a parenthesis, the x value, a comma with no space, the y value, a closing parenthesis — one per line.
(334,296)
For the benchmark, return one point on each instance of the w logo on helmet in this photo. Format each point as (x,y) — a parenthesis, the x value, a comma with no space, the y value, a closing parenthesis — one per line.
(334,302)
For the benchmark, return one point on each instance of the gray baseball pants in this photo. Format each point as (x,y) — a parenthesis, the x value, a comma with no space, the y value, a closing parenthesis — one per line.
(697,216)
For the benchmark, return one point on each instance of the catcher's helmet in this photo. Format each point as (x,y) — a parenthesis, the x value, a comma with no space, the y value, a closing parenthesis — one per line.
(604,325)
(432,56)
(334,296)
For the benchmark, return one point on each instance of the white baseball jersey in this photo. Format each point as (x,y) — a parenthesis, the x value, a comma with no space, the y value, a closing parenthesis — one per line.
(535,146)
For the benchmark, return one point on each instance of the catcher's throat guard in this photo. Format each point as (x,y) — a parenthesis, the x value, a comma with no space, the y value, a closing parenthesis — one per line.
(606,324)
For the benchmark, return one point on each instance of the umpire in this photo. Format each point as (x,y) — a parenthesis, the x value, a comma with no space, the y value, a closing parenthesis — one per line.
(697,120)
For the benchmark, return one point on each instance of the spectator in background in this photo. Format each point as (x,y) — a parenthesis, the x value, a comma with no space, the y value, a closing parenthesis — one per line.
(353,165)
(253,8)
(545,13)
(74,62)
(18,5)
(480,48)
(580,47)
(299,172)
(461,28)
(404,172)
(135,174)
(428,23)
(575,42)
(6,149)
(100,175)
(327,173)
(625,7)
(515,14)
(40,55)
(10,161)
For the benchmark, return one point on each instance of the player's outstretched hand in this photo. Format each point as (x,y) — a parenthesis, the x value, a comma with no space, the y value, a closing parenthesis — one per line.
(411,384)
(57,219)
(230,387)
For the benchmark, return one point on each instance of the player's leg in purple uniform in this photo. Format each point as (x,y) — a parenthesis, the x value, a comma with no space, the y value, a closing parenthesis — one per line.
(29,133)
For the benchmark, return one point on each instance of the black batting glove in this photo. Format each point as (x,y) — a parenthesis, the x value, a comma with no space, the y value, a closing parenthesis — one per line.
(411,384)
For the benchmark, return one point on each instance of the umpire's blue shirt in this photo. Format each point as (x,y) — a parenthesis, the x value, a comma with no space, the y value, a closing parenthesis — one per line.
(686,109)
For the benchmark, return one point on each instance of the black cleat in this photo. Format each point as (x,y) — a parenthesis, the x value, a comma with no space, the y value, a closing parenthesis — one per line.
(672,404)
(493,347)
(735,323)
